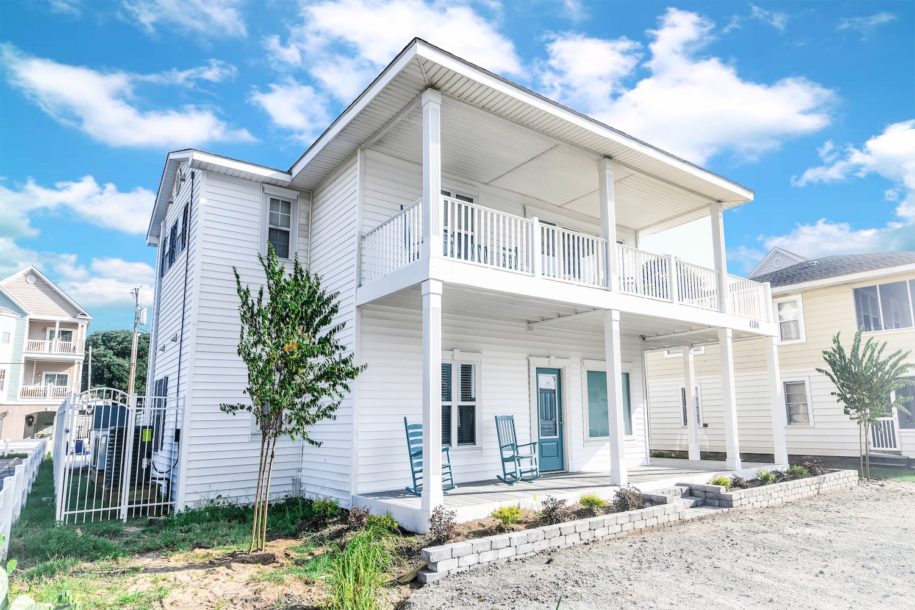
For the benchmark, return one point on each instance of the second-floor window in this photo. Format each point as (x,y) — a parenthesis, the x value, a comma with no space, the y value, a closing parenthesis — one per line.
(175,241)
(885,306)
(790,320)
(279,226)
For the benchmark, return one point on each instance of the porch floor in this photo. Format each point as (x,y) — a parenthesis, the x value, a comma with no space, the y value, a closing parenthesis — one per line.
(475,500)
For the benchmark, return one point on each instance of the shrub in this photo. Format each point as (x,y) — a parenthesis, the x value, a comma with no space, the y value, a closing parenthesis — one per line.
(765,477)
(358,571)
(325,508)
(815,468)
(555,510)
(357,518)
(723,481)
(507,516)
(796,471)
(442,527)
(383,522)
(738,482)
(626,499)
(594,504)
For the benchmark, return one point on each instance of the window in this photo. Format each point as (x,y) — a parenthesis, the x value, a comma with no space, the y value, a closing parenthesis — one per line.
(459,404)
(598,404)
(907,397)
(279,226)
(677,352)
(163,262)
(2,379)
(174,242)
(63,335)
(184,219)
(885,306)
(5,337)
(56,379)
(683,412)
(790,320)
(797,403)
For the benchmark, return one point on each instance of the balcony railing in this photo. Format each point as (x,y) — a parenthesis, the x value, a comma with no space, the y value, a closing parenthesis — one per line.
(490,238)
(43,391)
(41,346)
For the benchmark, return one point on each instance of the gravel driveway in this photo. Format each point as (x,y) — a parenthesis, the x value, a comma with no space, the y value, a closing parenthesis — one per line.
(849,549)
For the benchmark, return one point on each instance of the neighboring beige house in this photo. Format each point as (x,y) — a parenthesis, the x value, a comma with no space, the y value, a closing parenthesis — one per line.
(813,300)
(42,334)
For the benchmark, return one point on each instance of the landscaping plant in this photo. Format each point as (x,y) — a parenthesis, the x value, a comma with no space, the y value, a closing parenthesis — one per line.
(765,477)
(626,499)
(298,370)
(357,518)
(507,516)
(797,471)
(358,571)
(723,481)
(442,527)
(738,482)
(555,510)
(594,504)
(867,384)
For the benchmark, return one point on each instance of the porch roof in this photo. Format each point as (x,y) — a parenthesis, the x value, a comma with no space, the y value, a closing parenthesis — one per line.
(421,65)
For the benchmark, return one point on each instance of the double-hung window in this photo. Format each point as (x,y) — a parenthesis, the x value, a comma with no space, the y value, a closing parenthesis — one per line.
(684,414)
(56,379)
(598,405)
(906,395)
(790,319)
(460,403)
(797,403)
(2,379)
(279,226)
(887,306)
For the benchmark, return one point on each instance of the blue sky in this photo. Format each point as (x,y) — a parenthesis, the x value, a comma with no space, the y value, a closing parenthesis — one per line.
(812,104)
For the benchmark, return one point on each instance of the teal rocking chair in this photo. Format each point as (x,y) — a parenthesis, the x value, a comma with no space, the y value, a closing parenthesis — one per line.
(519,462)
(415,451)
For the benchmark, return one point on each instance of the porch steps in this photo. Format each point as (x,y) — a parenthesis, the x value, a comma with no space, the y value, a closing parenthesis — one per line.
(677,493)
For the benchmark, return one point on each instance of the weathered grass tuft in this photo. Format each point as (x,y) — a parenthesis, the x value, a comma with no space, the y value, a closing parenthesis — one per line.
(358,572)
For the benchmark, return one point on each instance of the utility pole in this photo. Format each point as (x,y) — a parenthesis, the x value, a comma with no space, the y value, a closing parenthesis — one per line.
(89,375)
(131,383)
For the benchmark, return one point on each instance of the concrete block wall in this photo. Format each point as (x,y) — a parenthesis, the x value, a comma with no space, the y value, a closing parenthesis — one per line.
(778,493)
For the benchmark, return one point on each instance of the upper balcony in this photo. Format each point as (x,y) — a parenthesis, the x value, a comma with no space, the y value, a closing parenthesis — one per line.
(487,238)
(48,339)
(54,347)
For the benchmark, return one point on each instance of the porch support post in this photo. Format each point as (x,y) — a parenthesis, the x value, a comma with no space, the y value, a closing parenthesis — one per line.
(432,396)
(607,203)
(777,399)
(729,398)
(618,472)
(692,419)
(432,173)
(721,261)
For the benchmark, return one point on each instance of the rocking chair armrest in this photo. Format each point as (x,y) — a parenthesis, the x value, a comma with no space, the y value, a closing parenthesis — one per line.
(533,447)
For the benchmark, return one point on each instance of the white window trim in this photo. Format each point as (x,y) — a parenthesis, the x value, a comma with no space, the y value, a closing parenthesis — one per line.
(276,192)
(680,393)
(51,329)
(806,382)
(677,352)
(802,331)
(45,374)
(599,365)
(456,358)
(884,330)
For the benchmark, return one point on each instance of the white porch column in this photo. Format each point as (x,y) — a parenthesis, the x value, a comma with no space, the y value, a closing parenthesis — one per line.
(692,419)
(721,259)
(729,398)
(618,473)
(432,395)
(607,203)
(432,173)
(777,398)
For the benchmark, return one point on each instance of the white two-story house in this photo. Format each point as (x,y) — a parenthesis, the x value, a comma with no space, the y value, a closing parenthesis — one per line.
(42,335)
(484,242)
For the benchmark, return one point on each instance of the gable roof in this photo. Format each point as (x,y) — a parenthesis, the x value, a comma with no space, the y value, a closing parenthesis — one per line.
(833,267)
(9,299)
(777,258)
(6,282)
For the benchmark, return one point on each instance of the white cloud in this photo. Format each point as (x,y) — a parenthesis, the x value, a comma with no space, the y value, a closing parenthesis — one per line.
(343,44)
(293,106)
(214,71)
(102,205)
(890,155)
(575,10)
(867,24)
(587,71)
(777,19)
(693,106)
(101,104)
(66,7)
(208,18)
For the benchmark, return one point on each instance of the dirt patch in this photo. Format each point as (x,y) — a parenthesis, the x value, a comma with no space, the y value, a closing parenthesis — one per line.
(845,549)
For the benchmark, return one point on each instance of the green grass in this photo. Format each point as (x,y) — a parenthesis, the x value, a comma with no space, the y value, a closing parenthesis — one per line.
(358,571)
(901,475)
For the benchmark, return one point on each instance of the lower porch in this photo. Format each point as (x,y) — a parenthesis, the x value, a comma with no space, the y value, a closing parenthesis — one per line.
(478,499)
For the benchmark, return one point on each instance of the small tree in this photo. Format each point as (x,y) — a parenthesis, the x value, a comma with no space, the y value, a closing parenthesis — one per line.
(866,384)
(298,370)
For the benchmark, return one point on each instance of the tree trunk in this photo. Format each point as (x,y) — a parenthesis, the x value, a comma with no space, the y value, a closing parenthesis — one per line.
(255,519)
(267,493)
(860,449)
(867,448)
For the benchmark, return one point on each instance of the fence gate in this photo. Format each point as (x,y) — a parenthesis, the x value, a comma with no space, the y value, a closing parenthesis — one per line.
(115,455)
(883,434)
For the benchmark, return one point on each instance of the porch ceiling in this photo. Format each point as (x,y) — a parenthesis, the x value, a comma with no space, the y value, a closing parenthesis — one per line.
(482,147)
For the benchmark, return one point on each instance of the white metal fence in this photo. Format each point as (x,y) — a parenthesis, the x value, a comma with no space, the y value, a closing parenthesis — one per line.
(16,483)
(116,455)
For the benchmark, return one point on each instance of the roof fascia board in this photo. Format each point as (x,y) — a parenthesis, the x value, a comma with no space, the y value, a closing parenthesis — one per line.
(842,279)
(472,72)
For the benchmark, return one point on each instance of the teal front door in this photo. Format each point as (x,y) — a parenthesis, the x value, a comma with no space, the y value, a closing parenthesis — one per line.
(549,419)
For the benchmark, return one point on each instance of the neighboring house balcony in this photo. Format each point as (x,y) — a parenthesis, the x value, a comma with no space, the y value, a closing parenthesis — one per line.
(44,346)
(43,392)
(566,264)
(54,340)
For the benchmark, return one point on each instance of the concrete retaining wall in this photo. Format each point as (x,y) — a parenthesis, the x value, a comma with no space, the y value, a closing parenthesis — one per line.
(458,556)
